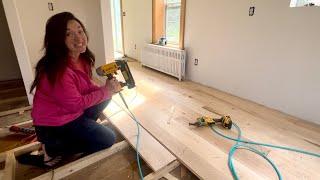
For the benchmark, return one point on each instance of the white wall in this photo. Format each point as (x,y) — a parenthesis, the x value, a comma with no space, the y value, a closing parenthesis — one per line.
(137,26)
(271,58)
(27,21)
(107,29)
(9,67)
(35,13)
(96,16)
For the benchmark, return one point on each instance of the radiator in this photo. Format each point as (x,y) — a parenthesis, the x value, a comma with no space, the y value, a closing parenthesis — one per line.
(165,59)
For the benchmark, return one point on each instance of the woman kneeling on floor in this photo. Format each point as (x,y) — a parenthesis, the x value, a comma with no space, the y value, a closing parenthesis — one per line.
(67,102)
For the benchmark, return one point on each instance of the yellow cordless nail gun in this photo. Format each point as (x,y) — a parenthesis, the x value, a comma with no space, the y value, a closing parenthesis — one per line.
(112,68)
(208,121)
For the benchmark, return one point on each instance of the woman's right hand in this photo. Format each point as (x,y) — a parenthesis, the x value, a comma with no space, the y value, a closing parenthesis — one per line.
(113,85)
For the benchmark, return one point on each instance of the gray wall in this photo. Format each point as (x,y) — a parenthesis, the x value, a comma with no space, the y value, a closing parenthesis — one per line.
(9,67)
(271,58)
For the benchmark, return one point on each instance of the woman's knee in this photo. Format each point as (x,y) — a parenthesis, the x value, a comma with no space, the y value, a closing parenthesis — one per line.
(110,138)
(104,139)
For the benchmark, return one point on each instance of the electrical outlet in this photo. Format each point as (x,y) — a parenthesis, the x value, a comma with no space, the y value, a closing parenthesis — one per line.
(196,62)
(135,46)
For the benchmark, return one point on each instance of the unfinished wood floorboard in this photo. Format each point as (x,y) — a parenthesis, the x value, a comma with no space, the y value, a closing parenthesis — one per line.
(10,166)
(283,158)
(3,156)
(184,115)
(6,132)
(153,153)
(17,110)
(14,118)
(221,107)
(164,95)
(26,148)
(263,131)
(204,159)
(266,117)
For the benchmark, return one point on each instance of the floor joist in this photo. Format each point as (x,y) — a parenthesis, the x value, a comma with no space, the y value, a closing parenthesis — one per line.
(10,166)
(79,164)
(61,172)
(162,172)
(170,177)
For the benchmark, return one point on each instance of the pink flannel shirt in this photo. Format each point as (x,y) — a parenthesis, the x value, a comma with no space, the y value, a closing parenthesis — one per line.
(68,98)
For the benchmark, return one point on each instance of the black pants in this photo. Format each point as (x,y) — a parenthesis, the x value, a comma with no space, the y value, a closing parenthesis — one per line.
(83,134)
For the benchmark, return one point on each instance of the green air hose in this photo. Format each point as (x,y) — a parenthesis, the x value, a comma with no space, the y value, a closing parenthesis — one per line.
(128,111)
(242,144)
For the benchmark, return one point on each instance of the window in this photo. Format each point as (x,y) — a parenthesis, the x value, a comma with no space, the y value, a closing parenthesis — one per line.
(299,3)
(172,28)
(168,21)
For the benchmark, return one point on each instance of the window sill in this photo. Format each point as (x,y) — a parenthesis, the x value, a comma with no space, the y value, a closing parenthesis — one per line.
(173,45)
(170,46)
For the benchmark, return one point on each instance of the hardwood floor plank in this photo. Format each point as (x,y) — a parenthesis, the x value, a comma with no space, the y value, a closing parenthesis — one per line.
(153,153)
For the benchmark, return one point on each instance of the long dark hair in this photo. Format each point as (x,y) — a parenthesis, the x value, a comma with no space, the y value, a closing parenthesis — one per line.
(55,58)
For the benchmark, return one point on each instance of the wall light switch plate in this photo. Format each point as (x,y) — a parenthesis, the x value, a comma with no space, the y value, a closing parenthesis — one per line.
(50,6)
(251,11)
(196,62)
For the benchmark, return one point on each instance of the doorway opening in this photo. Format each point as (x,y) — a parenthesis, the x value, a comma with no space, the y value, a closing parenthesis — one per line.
(117,28)
(13,93)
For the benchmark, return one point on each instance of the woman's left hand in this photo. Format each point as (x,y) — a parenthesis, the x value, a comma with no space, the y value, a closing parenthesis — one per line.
(113,85)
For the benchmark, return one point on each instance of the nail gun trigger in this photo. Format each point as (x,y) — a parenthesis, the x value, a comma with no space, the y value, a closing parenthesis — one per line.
(110,76)
(122,84)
